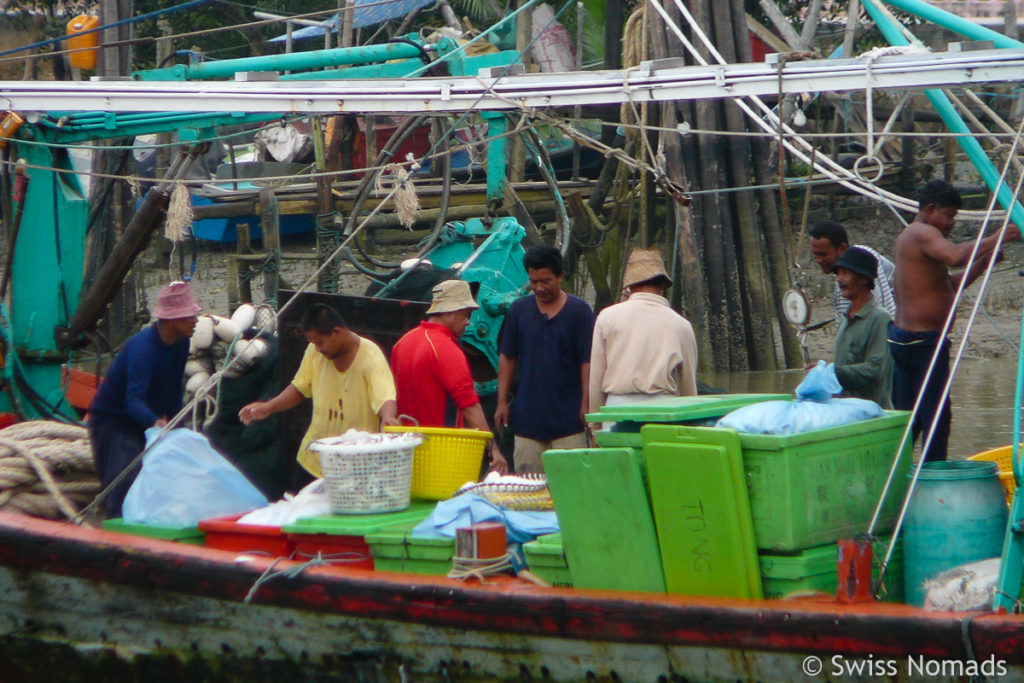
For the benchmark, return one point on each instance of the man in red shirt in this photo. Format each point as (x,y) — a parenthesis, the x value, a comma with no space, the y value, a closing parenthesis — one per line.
(432,377)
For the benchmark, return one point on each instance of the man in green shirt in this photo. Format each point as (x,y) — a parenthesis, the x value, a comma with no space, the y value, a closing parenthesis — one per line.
(862,360)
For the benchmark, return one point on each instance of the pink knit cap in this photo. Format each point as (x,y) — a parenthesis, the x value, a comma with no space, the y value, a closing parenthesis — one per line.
(176,302)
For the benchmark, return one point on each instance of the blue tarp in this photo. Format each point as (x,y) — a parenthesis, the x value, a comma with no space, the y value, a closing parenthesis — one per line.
(469,508)
(367,13)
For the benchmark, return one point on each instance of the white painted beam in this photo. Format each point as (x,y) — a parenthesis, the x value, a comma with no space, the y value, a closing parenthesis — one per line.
(647,82)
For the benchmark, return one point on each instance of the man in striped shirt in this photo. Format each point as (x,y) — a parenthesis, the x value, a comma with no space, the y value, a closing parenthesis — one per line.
(828,242)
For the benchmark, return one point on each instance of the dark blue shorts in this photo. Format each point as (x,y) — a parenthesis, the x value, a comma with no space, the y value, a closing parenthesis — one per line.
(912,354)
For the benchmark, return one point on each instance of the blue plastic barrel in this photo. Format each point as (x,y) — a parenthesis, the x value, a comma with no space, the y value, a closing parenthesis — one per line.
(957,515)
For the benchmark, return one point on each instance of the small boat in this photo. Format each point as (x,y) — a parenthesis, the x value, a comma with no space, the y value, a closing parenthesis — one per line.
(107,603)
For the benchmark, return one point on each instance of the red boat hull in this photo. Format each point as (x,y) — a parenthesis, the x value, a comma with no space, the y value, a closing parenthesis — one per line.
(106,599)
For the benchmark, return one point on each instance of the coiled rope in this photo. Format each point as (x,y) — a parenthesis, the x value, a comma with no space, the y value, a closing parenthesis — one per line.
(46,469)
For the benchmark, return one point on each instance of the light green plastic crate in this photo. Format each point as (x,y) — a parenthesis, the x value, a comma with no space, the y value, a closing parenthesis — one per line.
(545,558)
(817,487)
(606,438)
(677,409)
(814,570)
(190,535)
(605,518)
(396,549)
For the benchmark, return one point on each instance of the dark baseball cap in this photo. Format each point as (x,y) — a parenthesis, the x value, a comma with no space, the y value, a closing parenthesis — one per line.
(860,261)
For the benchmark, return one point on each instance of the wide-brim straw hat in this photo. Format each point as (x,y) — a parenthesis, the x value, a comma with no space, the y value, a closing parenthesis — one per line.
(176,302)
(451,295)
(644,265)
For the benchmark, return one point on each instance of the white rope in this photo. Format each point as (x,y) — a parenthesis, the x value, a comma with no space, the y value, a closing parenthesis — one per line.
(869,123)
(45,468)
(769,124)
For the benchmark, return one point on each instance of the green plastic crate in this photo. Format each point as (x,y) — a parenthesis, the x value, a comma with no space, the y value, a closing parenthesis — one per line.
(814,570)
(677,409)
(396,549)
(545,552)
(546,558)
(605,518)
(360,525)
(190,535)
(816,487)
(607,438)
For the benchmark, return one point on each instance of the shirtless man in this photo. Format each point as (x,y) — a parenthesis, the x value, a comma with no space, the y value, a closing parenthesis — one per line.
(925,290)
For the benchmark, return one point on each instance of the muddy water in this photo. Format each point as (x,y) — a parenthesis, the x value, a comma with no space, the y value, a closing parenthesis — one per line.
(983,393)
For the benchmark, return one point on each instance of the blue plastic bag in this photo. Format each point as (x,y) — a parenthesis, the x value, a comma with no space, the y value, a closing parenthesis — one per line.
(795,417)
(814,408)
(820,383)
(183,480)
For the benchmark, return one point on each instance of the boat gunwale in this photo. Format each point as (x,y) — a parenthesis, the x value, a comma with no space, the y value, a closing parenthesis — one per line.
(807,626)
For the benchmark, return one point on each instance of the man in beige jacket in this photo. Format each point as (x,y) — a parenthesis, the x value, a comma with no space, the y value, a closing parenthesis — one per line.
(642,348)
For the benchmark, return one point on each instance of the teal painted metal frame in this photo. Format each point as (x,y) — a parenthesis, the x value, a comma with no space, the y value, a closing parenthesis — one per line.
(945,108)
(46,275)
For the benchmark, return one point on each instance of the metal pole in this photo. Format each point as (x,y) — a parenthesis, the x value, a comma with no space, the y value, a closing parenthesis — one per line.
(950,21)
(952,119)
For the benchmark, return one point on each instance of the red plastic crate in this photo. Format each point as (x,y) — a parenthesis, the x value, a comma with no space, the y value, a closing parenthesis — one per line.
(348,551)
(225,533)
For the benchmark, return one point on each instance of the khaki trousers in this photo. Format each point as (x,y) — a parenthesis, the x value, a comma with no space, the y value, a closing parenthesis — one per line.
(528,451)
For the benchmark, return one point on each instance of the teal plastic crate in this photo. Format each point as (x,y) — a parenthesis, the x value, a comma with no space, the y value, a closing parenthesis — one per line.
(814,570)
(816,487)
(545,557)
(190,535)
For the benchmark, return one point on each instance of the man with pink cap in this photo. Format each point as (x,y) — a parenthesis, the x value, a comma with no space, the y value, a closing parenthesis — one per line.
(142,389)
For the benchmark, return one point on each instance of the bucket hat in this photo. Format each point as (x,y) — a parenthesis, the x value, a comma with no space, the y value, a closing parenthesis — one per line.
(451,295)
(860,261)
(175,302)
(644,265)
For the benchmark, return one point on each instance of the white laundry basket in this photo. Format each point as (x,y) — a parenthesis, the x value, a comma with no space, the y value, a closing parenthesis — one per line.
(367,473)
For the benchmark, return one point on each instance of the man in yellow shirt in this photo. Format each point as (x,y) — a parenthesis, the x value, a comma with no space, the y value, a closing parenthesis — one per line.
(346,375)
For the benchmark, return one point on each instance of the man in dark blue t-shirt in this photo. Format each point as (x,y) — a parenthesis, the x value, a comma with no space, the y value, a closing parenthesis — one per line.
(143,388)
(547,338)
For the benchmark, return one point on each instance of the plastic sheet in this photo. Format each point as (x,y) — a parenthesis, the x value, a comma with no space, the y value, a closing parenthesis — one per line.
(814,408)
(311,501)
(184,480)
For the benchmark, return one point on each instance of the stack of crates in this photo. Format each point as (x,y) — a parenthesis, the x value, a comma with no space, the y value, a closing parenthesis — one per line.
(806,491)
(813,570)
(342,539)
(396,549)
(225,533)
(546,558)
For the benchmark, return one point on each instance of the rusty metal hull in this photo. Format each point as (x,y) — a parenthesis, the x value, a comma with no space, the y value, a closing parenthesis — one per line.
(108,606)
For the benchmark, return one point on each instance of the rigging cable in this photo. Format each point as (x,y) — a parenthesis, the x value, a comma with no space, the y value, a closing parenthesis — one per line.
(962,286)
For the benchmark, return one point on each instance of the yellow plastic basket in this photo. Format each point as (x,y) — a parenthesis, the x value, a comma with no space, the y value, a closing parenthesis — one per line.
(446,459)
(1002,456)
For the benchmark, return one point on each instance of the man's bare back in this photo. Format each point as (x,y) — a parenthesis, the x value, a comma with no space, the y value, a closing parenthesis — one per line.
(923,255)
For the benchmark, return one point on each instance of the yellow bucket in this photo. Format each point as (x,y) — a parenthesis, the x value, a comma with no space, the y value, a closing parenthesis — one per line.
(1002,456)
(446,459)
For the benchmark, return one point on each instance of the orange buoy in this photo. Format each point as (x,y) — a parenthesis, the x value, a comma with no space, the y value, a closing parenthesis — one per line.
(84,46)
